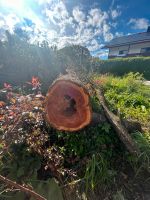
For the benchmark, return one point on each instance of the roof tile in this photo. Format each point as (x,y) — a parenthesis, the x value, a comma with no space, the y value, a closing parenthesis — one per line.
(129,39)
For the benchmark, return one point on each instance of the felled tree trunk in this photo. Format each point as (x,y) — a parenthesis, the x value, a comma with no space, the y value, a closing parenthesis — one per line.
(67,104)
(68,108)
(131,126)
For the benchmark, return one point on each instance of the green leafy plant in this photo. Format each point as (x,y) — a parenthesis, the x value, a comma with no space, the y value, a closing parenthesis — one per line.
(127,96)
(120,67)
(20,164)
(94,155)
(98,171)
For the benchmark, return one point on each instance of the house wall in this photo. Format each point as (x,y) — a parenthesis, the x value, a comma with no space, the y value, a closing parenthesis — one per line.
(132,49)
(115,50)
(136,48)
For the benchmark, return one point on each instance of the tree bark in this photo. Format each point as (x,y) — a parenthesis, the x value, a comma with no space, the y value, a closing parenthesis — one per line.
(100,118)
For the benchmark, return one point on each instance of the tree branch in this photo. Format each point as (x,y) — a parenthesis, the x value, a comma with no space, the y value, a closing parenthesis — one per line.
(21,188)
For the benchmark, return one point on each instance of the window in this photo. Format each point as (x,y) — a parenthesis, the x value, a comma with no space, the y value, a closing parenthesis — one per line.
(123,52)
(145,50)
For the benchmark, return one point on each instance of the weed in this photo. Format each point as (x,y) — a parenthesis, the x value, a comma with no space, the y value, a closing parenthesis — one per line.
(118,196)
(98,171)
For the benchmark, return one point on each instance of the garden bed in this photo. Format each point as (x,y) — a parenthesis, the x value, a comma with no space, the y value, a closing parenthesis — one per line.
(91,163)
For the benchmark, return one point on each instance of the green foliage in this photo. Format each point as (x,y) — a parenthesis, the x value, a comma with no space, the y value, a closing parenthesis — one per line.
(48,189)
(141,162)
(118,196)
(122,66)
(96,107)
(98,171)
(20,164)
(75,56)
(42,153)
(21,60)
(128,96)
(143,140)
(93,139)
(93,155)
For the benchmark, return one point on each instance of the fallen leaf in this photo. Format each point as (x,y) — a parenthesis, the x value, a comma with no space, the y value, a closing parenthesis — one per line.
(2,104)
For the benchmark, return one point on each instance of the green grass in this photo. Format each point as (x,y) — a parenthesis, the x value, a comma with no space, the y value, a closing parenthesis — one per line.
(127,96)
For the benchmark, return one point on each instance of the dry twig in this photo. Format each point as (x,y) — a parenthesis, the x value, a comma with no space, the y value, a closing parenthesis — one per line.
(21,188)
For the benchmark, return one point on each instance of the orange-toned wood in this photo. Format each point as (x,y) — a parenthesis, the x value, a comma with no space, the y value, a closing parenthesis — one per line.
(67,104)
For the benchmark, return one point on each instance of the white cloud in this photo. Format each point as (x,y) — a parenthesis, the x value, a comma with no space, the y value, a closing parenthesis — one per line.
(58,15)
(57,12)
(102,54)
(78,15)
(139,23)
(61,27)
(8,22)
(39,35)
(115,13)
(114,24)
(96,17)
(108,36)
(99,20)
(40,2)
(2,23)
(119,34)
(94,45)
(85,27)
(106,33)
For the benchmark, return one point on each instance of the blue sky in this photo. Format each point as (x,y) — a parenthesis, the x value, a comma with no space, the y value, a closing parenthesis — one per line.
(85,22)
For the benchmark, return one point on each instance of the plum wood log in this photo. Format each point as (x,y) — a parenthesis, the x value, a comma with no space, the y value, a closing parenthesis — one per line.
(67,104)
(68,108)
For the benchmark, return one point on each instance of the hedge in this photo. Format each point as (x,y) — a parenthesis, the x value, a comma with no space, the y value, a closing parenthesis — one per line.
(121,66)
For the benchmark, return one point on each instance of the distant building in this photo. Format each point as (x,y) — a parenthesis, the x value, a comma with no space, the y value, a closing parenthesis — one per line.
(131,45)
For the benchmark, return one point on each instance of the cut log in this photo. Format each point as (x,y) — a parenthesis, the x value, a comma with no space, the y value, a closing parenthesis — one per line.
(67,108)
(67,104)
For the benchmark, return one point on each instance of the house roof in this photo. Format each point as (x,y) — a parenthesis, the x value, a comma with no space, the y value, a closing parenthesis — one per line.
(129,39)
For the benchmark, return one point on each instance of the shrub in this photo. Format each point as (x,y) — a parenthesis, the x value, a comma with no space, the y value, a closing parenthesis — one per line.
(121,66)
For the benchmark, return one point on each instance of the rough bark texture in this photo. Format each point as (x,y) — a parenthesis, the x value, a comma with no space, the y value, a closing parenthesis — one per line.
(67,104)
(131,126)
(118,126)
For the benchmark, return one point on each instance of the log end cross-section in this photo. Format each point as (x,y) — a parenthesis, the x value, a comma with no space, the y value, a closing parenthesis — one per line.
(67,106)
